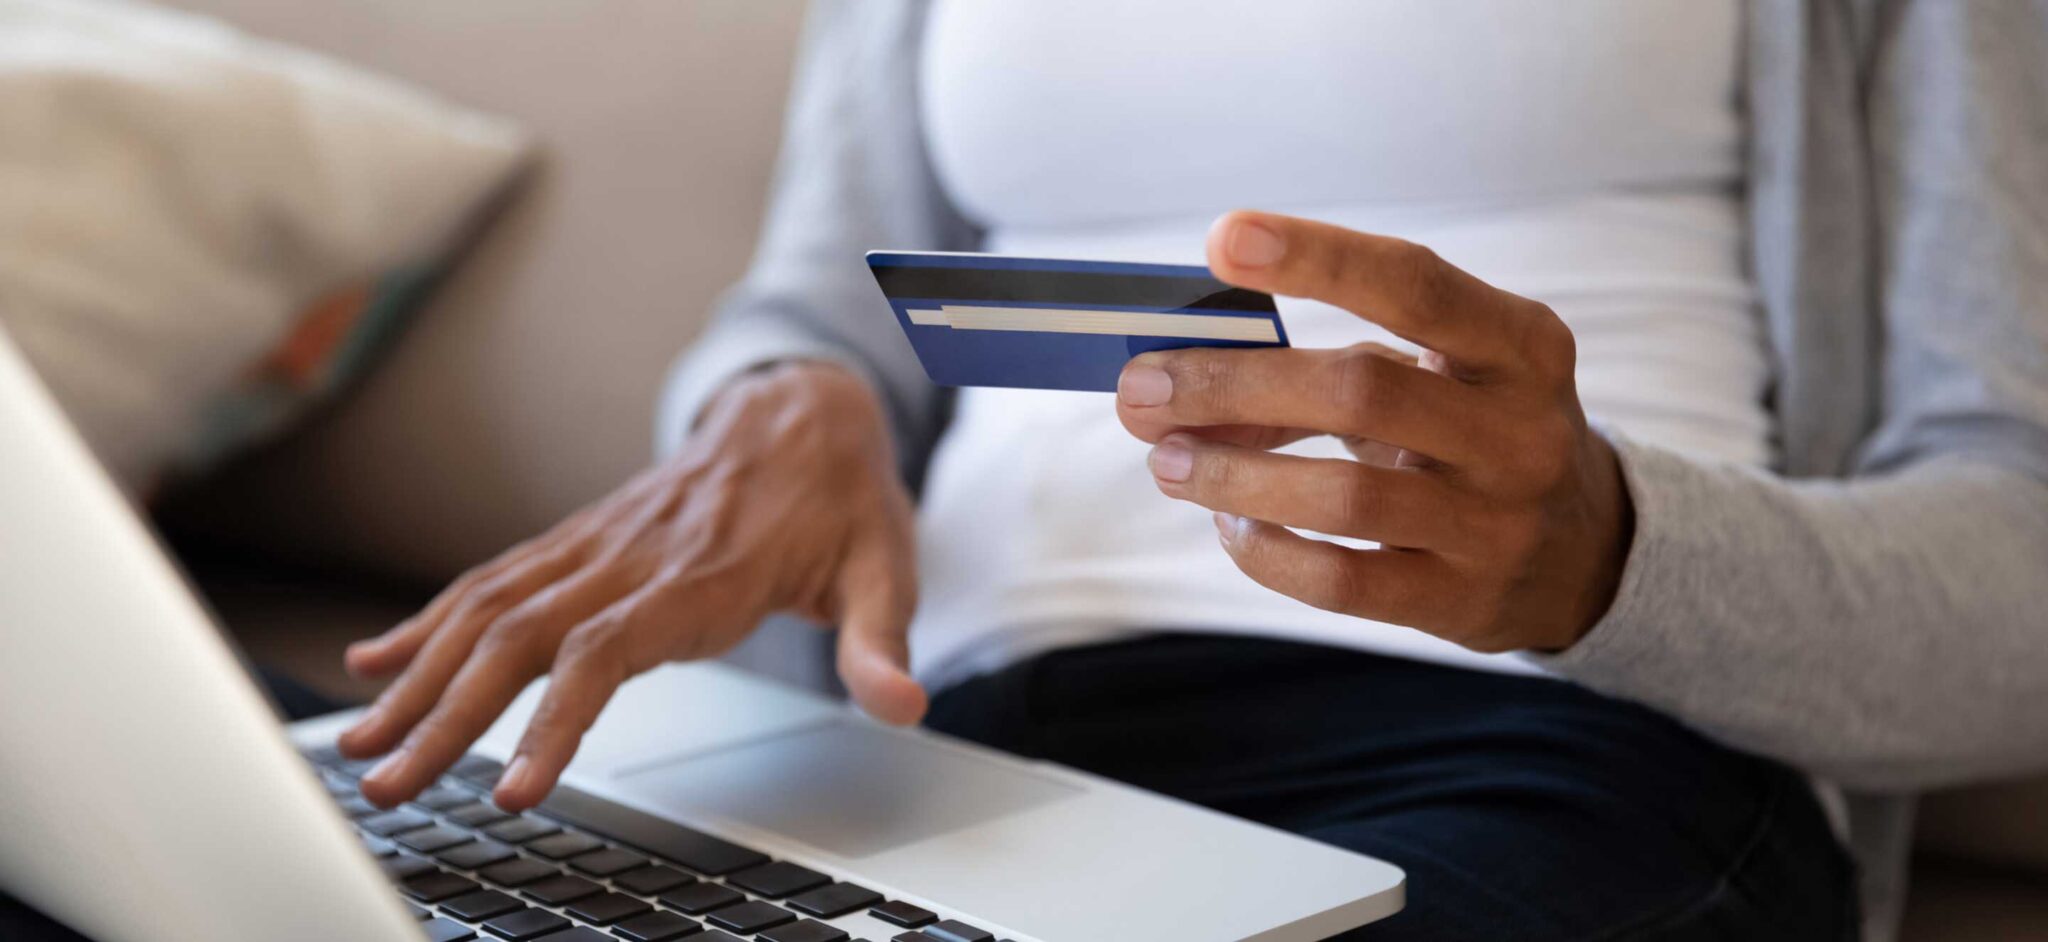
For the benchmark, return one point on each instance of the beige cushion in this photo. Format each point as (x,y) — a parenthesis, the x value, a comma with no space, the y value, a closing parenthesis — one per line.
(528,387)
(203,231)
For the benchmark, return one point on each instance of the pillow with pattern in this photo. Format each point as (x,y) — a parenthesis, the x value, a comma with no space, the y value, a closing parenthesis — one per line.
(202,233)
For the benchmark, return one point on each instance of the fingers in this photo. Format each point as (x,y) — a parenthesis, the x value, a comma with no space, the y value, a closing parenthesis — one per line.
(406,701)
(1353,392)
(387,653)
(394,649)
(878,594)
(595,658)
(1404,587)
(1402,507)
(1399,285)
(1250,436)
(515,649)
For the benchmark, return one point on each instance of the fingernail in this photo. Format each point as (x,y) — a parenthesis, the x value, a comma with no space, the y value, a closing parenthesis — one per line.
(516,775)
(1228,526)
(1252,245)
(383,771)
(1172,461)
(1144,386)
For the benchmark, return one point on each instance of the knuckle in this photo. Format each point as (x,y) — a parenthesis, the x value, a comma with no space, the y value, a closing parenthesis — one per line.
(1549,343)
(1361,504)
(1200,380)
(1217,473)
(1428,278)
(509,640)
(1360,390)
(496,595)
(1339,587)
(594,646)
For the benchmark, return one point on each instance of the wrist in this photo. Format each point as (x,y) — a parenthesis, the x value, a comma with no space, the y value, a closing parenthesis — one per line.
(1613,528)
(819,410)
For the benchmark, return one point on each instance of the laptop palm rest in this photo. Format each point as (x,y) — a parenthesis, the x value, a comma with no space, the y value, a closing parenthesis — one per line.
(845,787)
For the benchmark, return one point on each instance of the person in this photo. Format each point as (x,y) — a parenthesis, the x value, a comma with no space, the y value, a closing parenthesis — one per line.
(1657,492)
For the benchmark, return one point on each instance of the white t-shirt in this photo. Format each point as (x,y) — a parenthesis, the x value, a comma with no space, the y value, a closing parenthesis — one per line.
(1586,153)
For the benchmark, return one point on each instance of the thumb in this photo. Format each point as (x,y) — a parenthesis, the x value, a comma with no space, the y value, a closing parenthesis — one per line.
(877,595)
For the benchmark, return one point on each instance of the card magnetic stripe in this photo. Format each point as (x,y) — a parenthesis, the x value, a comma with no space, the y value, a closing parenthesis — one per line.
(1187,287)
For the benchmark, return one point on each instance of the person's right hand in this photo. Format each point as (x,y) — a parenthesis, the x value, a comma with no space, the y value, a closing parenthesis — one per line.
(785,498)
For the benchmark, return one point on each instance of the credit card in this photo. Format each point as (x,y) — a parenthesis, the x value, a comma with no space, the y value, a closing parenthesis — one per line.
(1043,323)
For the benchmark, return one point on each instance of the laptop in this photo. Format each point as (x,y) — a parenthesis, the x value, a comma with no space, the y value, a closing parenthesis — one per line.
(147,792)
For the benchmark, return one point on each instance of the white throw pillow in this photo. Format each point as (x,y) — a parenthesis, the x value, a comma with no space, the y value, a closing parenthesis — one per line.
(201,232)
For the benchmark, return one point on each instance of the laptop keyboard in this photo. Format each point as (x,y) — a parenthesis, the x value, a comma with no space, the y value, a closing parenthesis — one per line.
(583,869)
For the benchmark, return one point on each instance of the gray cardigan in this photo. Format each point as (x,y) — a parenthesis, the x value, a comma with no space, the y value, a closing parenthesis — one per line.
(1874,609)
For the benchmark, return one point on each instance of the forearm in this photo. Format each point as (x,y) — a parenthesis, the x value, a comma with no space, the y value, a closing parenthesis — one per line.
(853,176)
(1888,632)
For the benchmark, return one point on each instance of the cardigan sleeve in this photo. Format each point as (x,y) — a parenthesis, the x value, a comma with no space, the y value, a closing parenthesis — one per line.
(1888,630)
(853,176)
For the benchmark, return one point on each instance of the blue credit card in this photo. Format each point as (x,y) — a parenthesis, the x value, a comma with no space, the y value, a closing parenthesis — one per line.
(1042,323)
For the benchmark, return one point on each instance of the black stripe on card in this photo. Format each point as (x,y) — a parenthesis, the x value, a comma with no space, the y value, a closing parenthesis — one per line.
(1066,287)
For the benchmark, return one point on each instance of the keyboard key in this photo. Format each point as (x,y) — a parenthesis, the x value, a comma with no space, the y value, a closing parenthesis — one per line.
(444,797)
(321,755)
(436,886)
(518,871)
(476,814)
(354,768)
(525,924)
(953,930)
(713,935)
(911,936)
(900,913)
(418,913)
(480,905)
(607,908)
(604,863)
(377,846)
(577,934)
(405,866)
(700,898)
(778,879)
(749,918)
(521,829)
(356,807)
(656,926)
(652,881)
(832,902)
(558,890)
(666,839)
(564,845)
(429,840)
(395,822)
(809,930)
(475,855)
(445,930)
(478,771)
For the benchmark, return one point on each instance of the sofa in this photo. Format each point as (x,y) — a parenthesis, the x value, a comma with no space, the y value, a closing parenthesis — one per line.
(527,386)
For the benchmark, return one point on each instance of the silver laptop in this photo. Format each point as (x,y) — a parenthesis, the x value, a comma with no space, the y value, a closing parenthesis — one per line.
(148,793)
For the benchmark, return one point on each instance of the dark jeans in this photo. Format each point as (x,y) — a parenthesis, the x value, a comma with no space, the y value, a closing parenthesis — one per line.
(1521,807)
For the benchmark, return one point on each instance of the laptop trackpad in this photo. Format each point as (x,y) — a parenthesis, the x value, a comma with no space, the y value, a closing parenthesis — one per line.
(846,788)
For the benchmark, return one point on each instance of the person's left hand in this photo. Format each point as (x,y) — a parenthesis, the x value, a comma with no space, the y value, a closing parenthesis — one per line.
(1502,518)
